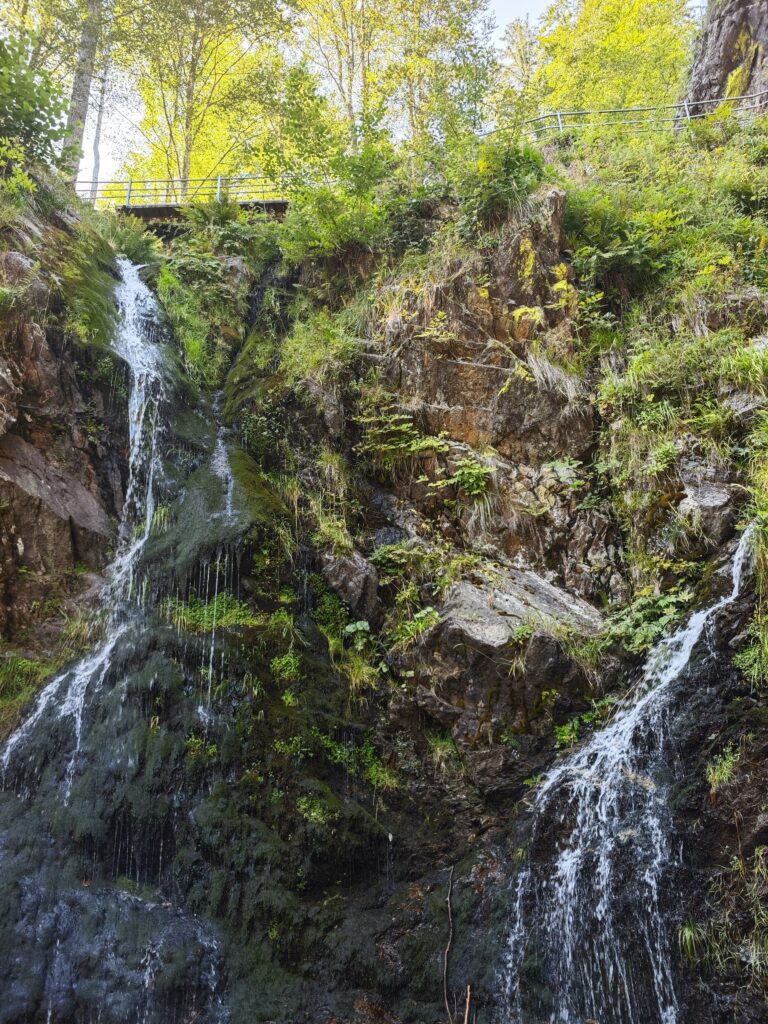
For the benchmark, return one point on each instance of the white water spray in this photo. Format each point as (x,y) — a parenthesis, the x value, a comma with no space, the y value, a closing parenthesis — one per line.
(221,465)
(606,807)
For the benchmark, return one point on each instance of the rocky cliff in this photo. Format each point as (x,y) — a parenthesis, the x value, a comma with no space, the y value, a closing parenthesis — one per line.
(62,454)
(732,55)
(415,534)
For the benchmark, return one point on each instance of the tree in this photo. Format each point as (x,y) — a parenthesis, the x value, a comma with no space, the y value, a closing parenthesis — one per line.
(614,53)
(422,67)
(518,92)
(188,63)
(31,107)
(438,66)
(82,78)
(343,40)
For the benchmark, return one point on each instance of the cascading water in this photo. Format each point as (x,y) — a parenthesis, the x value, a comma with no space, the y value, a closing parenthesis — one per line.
(589,938)
(67,773)
(135,343)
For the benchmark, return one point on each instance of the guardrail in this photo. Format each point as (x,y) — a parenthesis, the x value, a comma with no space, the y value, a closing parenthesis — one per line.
(175,192)
(639,119)
(255,189)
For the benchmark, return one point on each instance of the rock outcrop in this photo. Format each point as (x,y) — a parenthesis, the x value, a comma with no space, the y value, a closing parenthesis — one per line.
(62,440)
(732,58)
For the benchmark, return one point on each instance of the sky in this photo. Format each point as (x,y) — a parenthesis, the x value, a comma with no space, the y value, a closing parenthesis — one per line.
(506,10)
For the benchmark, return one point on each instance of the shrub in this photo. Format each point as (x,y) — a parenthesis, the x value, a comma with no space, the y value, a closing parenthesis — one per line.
(128,237)
(15,184)
(491,182)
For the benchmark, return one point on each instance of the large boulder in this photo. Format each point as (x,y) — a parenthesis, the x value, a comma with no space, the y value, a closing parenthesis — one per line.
(708,507)
(492,667)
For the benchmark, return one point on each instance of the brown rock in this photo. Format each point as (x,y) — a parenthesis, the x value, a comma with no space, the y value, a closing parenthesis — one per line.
(355,580)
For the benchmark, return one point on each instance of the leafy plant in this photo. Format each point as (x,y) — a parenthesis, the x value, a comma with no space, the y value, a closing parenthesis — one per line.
(31,105)
(407,632)
(720,770)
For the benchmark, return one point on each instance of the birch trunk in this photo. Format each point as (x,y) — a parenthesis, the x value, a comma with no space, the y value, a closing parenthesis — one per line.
(83,78)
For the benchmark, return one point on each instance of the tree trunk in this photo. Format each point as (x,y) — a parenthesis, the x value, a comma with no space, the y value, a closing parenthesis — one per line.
(97,133)
(81,83)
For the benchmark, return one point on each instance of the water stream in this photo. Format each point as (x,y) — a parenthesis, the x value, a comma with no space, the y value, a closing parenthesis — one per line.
(135,344)
(67,761)
(590,935)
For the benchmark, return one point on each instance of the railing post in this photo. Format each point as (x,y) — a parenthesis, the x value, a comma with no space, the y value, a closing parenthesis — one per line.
(128,192)
(560,121)
(687,111)
(218,189)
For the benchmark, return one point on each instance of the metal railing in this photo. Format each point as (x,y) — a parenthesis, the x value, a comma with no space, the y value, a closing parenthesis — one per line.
(638,119)
(255,189)
(174,192)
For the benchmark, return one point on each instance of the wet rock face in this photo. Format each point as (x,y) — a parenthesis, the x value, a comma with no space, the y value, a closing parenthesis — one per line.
(732,59)
(720,827)
(485,669)
(62,436)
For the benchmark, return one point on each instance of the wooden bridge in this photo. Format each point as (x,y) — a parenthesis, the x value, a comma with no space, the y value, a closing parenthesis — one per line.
(164,199)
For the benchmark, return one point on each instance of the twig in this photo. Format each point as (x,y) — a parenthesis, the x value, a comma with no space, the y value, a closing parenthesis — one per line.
(448,947)
(469,1000)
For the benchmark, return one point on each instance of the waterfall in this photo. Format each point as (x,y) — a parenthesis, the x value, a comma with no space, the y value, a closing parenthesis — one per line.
(149,960)
(135,344)
(589,929)
(221,465)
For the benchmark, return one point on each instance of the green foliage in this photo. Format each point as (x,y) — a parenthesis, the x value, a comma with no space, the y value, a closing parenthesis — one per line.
(286,667)
(189,326)
(598,54)
(377,773)
(734,939)
(392,443)
(130,238)
(444,753)
(408,631)
(491,182)
(198,749)
(470,476)
(647,618)
(228,230)
(567,734)
(195,615)
(316,812)
(31,105)
(720,770)
(16,186)
(319,347)
(342,216)
(20,680)
(88,286)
